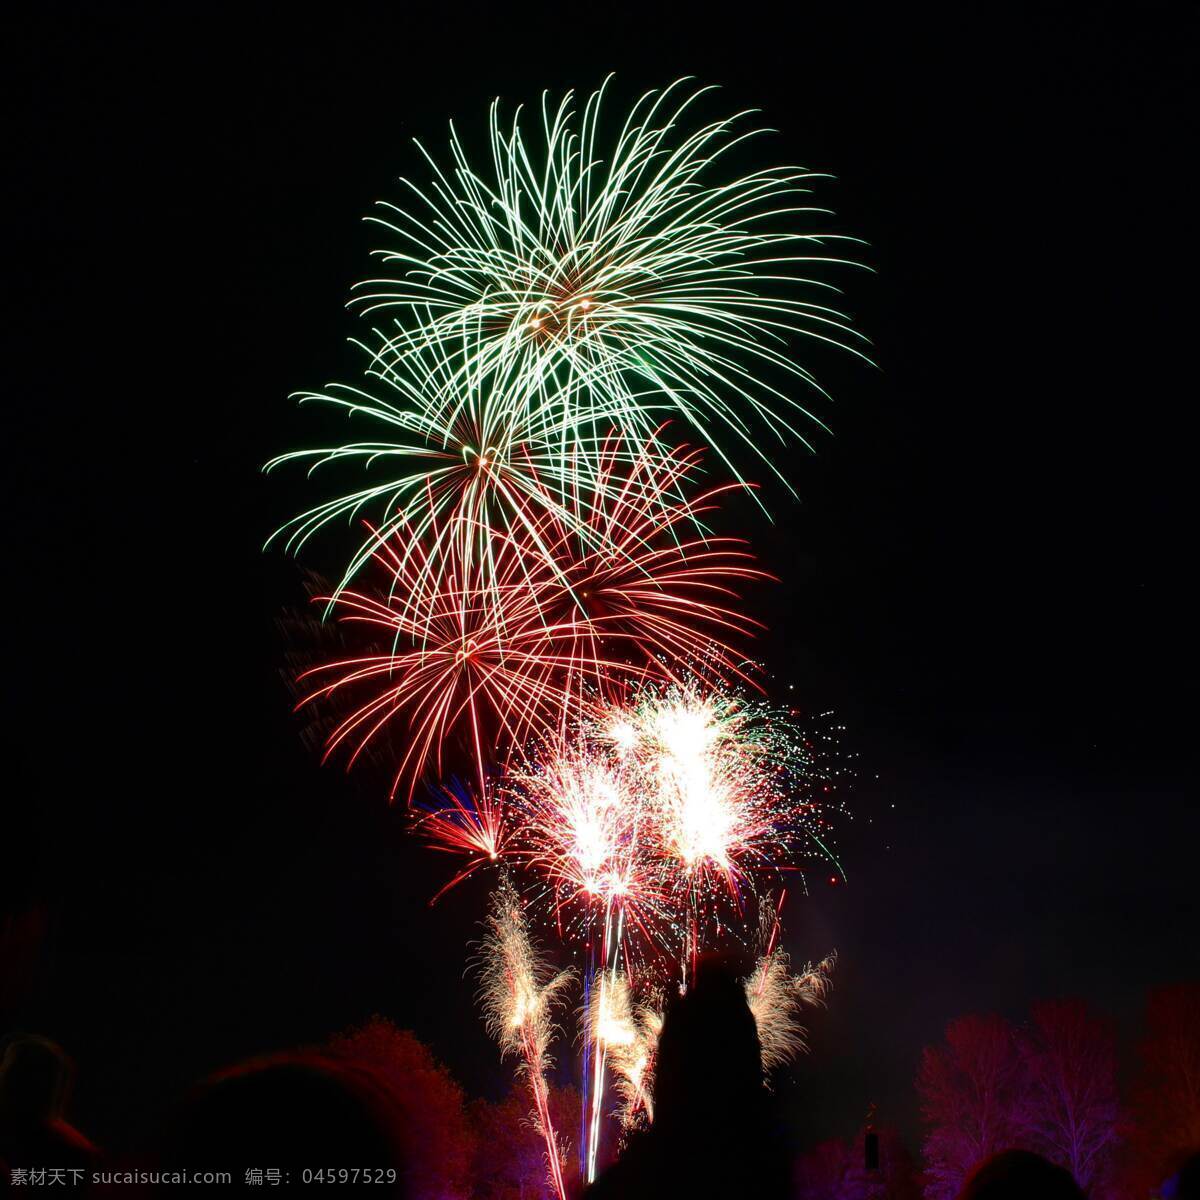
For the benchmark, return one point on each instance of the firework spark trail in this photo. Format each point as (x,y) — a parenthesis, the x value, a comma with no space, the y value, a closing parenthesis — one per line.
(519,993)
(510,647)
(773,1001)
(607,1022)
(453,472)
(626,274)
(776,996)
(555,604)
(599,1055)
(813,983)
(722,791)
(651,819)
(456,665)
(571,288)
(467,823)
(629,1033)
(635,1065)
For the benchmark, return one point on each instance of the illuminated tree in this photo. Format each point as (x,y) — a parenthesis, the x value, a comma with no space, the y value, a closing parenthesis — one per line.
(1166,1093)
(510,1154)
(432,1118)
(824,1173)
(1070,1110)
(972,1090)
(836,1170)
(901,1179)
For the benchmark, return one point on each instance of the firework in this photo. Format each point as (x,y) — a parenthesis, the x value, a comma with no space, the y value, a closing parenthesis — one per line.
(614,276)
(575,286)
(492,648)
(717,772)
(625,1032)
(649,818)
(581,831)
(455,461)
(579,819)
(464,823)
(637,566)
(519,994)
(776,996)
(581,828)
(452,667)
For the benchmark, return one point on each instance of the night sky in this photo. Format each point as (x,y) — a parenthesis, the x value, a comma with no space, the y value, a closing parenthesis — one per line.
(984,575)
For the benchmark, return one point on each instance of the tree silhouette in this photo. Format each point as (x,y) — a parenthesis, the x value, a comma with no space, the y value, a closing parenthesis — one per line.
(1070,1110)
(823,1173)
(972,1091)
(835,1170)
(437,1136)
(1166,1093)
(901,1179)
(510,1153)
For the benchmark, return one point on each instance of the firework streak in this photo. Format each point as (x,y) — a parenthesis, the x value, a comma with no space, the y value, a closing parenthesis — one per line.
(485,650)
(642,835)
(776,996)
(547,637)
(573,285)
(518,993)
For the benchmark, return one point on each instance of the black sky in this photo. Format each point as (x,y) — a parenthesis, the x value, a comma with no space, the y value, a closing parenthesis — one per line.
(984,576)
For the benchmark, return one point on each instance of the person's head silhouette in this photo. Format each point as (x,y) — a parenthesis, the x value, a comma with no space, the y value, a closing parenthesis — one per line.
(289,1111)
(712,1133)
(709,1060)
(35,1079)
(1185,1185)
(1020,1175)
(36,1076)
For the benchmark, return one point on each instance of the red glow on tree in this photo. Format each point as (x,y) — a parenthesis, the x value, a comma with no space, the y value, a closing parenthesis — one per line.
(836,1170)
(1166,1092)
(1071,1109)
(510,1155)
(971,1090)
(438,1139)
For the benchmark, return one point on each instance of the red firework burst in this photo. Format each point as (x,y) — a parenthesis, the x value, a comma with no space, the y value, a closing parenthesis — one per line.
(464,823)
(466,663)
(634,565)
(563,610)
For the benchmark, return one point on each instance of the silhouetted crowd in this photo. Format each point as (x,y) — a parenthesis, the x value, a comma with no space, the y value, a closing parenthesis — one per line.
(713,1133)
